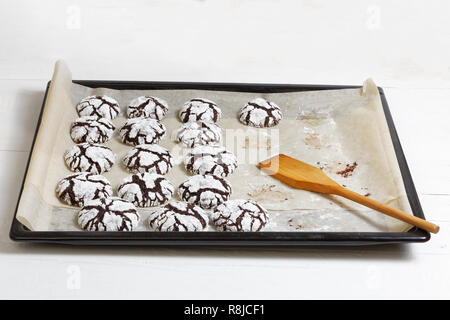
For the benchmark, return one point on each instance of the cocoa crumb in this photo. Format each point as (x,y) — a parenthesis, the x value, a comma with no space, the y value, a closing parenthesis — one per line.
(367,194)
(320,166)
(298,227)
(348,171)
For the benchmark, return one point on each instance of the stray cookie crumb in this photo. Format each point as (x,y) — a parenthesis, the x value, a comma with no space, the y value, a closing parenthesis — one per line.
(348,171)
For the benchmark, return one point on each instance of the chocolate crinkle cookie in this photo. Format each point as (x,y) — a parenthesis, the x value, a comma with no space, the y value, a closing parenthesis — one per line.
(207,191)
(239,215)
(260,113)
(91,129)
(142,131)
(150,158)
(147,107)
(108,214)
(196,133)
(76,189)
(215,160)
(99,106)
(200,109)
(178,216)
(90,157)
(146,189)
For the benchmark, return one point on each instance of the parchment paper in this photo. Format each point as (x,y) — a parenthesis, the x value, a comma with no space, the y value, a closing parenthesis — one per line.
(344,132)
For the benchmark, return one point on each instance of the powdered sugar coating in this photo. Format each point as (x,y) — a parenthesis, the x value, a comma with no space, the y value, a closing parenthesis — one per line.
(108,214)
(239,215)
(142,131)
(206,191)
(76,189)
(146,189)
(147,107)
(150,158)
(260,113)
(178,216)
(200,109)
(215,160)
(91,129)
(90,157)
(197,133)
(99,106)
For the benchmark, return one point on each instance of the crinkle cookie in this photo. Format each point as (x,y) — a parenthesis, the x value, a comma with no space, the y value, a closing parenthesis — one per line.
(178,216)
(206,191)
(260,113)
(239,215)
(200,109)
(90,157)
(108,214)
(197,133)
(142,131)
(146,189)
(91,129)
(215,160)
(147,107)
(150,158)
(76,189)
(100,106)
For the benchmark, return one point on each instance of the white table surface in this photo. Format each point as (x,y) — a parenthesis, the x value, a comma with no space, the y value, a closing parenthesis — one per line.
(403,46)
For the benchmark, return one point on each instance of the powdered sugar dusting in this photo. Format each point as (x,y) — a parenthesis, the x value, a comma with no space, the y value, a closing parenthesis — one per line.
(196,133)
(200,109)
(148,107)
(150,158)
(146,189)
(239,215)
(91,129)
(260,113)
(215,160)
(94,158)
(108,214)
(99,106)
(207,191)
(78,188)
(142,131)
(178,216)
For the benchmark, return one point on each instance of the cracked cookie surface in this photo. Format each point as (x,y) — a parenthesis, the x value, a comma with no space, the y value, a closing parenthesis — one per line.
(145,189)
(90,157)
(91,129)
(196,133)
(215,160)
(147,107)
(99,106)
(206,191)
(108,214)
(78,188)
(150,158)
(239,215)
(137,131)
(260,113)
(178,216)
(200,109)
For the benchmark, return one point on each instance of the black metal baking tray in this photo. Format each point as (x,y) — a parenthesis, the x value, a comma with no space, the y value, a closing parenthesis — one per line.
(21,233)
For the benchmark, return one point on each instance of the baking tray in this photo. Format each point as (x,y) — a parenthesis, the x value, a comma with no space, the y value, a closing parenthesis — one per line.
(19,232)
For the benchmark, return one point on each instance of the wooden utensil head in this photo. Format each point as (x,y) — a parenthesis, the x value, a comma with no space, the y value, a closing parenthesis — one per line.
(298,174)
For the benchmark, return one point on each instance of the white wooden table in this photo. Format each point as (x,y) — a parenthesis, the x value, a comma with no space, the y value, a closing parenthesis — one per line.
(404,47)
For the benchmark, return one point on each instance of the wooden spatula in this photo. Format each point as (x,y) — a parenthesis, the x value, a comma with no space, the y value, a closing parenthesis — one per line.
(301,175)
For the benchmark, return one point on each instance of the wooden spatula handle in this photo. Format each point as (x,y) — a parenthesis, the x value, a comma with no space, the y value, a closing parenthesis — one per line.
(395,213)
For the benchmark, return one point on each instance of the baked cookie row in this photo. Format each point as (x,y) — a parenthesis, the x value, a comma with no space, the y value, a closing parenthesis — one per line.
(258,112)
